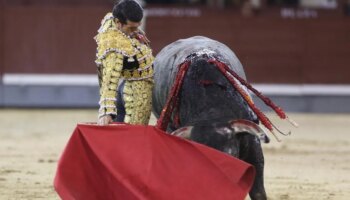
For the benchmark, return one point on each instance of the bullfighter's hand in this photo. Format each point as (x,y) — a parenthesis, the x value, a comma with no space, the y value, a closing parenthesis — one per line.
(105,120)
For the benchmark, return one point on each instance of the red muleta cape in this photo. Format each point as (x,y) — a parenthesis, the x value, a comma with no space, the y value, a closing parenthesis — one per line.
(130,162)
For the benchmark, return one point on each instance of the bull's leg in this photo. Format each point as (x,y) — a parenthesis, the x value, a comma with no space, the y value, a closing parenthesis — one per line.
(251,152)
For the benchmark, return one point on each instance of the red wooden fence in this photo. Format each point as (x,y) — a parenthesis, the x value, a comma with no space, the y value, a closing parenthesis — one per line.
(58,38)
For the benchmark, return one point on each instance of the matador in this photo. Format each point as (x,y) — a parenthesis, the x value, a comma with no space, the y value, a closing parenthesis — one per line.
(127,59)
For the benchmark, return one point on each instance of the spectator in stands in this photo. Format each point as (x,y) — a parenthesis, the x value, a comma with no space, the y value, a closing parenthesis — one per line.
(123,52)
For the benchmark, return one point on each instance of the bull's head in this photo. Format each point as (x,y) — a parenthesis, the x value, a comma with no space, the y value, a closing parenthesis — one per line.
(223,136)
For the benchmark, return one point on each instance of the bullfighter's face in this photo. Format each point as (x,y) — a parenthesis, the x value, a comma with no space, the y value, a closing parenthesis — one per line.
(129,28)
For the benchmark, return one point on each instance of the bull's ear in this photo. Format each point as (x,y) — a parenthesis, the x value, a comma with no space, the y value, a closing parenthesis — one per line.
(245,126)
(184,132)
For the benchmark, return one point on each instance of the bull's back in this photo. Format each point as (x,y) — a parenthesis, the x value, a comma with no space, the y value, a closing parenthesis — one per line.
(174,54)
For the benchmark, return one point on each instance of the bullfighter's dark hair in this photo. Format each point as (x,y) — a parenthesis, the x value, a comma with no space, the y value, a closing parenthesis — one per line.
(128,10)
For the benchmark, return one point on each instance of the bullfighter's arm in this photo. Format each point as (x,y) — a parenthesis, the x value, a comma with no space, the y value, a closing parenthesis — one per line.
(112,67)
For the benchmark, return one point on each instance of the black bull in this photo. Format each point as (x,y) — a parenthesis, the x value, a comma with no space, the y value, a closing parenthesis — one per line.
(208,103)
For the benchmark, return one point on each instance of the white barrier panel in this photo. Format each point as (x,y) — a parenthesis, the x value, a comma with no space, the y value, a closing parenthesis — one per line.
(91,80)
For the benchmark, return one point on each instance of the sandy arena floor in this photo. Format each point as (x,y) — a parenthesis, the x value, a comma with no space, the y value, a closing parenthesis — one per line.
(312,164)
